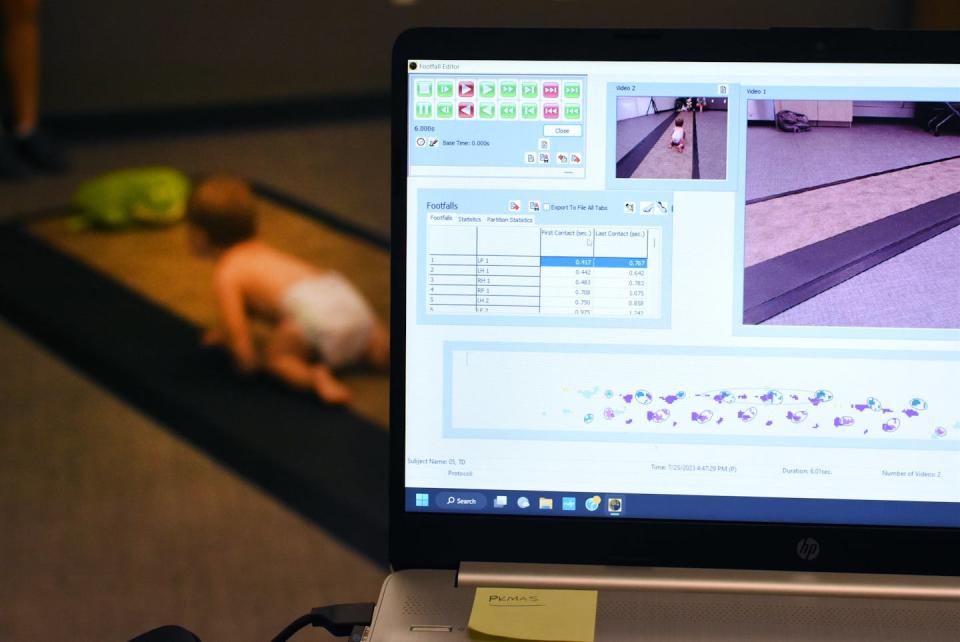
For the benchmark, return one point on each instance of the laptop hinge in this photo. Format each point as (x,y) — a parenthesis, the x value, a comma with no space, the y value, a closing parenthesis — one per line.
(638,578)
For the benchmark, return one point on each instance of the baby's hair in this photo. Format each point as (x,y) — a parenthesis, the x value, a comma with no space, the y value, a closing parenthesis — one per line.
(678,122)
(224,208)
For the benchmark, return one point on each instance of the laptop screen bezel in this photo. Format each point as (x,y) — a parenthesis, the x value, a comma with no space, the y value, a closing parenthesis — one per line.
(442,540)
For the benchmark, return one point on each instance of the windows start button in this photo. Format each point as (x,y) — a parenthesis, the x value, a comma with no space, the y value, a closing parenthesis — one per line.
(563,130)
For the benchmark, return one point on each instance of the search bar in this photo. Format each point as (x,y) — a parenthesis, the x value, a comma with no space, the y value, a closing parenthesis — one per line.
(460,501)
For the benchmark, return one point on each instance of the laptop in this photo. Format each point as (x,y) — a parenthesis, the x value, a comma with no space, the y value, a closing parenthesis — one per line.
(677,319)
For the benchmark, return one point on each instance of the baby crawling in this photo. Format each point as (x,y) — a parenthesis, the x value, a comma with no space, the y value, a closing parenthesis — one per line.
(319,321)
(678,139)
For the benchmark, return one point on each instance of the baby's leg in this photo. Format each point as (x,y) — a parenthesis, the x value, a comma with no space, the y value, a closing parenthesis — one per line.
(378,347)
(288,357)
(328,386)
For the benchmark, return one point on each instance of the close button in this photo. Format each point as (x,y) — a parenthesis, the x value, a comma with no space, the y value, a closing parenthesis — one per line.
(563,130)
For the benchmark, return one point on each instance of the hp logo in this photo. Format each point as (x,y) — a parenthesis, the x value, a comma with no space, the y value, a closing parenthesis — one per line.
(808,549)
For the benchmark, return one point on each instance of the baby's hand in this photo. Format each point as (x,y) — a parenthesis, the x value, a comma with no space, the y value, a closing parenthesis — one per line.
(213,337)
(245,363)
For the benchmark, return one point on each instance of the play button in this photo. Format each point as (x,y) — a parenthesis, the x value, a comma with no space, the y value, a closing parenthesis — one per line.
(465,110)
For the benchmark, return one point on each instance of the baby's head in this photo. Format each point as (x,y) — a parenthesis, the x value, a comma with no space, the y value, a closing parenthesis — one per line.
(678,122)
(221,212)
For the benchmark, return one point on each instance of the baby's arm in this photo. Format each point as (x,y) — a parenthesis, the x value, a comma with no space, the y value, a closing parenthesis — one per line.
(233,320)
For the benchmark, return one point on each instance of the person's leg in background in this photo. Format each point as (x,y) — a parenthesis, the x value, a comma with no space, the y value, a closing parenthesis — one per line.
(21,20)
(22,52)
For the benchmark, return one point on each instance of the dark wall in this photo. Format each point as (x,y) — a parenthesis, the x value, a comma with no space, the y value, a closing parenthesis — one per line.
(108,55)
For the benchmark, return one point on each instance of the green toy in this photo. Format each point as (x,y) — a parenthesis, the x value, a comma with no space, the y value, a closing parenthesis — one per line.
(155,196)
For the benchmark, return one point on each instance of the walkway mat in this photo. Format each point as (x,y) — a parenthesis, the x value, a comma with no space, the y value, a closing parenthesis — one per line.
(627,165)
(159,265)
(695,150)
(663,160)
(777,284)
(777,226)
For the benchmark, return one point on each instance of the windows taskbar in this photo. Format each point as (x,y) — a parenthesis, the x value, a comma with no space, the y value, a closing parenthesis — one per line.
(683,507)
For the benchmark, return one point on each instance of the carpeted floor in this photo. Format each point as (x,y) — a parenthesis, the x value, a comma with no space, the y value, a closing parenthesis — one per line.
(779,162)
(111,526)
(712,144)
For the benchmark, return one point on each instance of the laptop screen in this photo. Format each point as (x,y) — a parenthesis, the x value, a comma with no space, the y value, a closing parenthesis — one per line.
(685,291)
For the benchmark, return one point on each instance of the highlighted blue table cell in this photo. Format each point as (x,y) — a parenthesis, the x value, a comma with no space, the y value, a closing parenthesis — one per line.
(590,261)
(619,262)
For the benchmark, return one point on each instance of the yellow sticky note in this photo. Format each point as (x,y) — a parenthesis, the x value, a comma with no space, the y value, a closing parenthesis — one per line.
(546,615)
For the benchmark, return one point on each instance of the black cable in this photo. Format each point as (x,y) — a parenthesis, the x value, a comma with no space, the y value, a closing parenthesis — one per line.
(293,627)
(339,619)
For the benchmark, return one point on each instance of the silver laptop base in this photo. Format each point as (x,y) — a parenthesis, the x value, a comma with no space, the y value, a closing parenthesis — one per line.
(686,604)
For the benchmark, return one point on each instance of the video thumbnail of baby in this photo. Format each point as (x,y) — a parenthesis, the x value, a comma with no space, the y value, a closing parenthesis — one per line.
(671,137)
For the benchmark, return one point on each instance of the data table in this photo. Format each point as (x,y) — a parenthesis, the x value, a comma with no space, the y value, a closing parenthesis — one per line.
(548,270)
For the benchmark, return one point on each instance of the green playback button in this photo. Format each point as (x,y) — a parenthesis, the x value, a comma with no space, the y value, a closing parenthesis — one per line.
(487,89)
(444,110)
(571,111)
(424,88)
(424,110)
(571,90)
(445,88)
